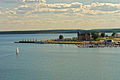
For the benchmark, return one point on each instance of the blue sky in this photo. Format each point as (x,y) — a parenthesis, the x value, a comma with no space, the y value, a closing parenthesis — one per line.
(59,14)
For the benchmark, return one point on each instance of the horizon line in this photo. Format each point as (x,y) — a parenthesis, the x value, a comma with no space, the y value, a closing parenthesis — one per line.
(58,29)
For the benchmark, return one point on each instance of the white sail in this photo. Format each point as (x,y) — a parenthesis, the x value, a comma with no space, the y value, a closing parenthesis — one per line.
(17,51)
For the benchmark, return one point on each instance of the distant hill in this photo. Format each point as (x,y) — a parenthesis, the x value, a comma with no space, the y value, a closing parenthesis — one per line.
(41,31)
(57,31)
(106,30)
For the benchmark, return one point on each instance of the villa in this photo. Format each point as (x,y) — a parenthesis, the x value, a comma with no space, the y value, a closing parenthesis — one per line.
(117,35)
(83,36)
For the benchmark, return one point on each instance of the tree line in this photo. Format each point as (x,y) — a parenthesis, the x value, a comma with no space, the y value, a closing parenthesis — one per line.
(94,35)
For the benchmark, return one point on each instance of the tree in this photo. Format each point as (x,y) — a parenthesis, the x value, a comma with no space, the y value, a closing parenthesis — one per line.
(61,37)
(95,34)
(113,34)
(103,34)
(74,39)
(106,36)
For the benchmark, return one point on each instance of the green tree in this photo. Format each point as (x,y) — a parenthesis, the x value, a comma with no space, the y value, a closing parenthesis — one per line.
(95,34)
(106,36)
(74,39)
(113,34)
(103,34)
(61,37)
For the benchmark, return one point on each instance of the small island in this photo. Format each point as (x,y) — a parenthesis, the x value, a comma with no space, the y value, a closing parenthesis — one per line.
(85,40)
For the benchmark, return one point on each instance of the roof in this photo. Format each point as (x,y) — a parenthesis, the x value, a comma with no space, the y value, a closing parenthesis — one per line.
(117,34)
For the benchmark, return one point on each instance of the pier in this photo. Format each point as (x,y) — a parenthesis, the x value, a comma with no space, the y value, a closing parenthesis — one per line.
(31,41)
(27,41)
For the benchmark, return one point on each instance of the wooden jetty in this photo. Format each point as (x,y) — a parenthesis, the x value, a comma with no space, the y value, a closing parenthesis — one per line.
(39,42)
(25,42)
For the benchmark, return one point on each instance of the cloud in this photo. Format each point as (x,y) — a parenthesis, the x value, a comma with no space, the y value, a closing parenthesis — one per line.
(30,1)
(0,12)
(105,6)
(7,11)
(30,7)
(8,1)
(43,1)
(76,7)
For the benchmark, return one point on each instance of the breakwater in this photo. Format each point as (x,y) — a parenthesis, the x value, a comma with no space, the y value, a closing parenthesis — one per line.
(98,45)
(32,41)
(83,44)
(25,42)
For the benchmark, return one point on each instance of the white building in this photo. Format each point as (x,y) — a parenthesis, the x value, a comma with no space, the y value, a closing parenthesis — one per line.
(117,35)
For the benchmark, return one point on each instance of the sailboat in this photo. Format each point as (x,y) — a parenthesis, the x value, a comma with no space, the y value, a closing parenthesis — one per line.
(17,51)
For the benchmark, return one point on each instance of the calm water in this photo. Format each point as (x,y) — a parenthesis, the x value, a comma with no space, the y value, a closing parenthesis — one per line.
(56,61)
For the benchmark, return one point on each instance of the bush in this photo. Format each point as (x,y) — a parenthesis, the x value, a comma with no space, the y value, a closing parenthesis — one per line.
(113,34)
(95,35)
(61,37)
(102,34)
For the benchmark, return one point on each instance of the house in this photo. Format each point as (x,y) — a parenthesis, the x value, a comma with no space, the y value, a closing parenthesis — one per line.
(83,36)
(117,35)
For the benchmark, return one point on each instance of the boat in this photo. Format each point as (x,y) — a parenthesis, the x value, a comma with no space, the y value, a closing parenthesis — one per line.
(17,51)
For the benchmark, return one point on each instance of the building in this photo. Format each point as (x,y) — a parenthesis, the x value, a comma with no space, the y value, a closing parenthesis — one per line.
(83,36)
(117,35)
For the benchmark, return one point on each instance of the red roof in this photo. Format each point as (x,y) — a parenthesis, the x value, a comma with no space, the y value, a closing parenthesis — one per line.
(117,33)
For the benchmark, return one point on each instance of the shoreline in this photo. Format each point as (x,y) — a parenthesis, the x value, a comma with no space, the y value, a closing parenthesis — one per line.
(80,44)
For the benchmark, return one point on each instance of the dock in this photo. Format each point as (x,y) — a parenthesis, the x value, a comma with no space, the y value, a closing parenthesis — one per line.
(25,42)
(40,42)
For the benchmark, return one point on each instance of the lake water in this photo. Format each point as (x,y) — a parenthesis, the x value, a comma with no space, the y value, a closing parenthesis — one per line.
(56,61)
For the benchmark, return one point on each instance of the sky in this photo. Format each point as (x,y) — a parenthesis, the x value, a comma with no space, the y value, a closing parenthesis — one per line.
(59,14)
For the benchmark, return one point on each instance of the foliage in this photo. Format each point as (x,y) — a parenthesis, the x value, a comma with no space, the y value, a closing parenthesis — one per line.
(95,35)
(113,34)
(74,39)
(103,34)
(106,36)
(61,37)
